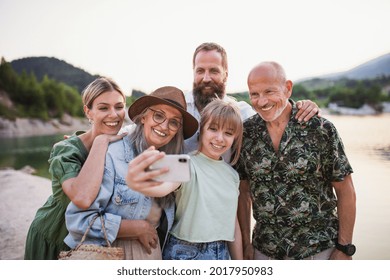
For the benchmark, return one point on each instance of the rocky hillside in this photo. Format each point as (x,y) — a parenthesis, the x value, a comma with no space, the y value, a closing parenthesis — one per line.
(22,127)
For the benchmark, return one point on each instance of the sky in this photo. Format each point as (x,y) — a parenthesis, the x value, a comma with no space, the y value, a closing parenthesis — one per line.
(147,44)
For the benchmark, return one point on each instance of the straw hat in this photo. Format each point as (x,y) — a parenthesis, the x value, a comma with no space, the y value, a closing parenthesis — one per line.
(171,96)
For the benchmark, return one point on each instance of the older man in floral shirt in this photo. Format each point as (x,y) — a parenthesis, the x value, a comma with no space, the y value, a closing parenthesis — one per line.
(289,172)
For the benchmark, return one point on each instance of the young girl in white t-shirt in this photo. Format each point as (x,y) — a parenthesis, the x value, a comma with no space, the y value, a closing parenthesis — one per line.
(205,225)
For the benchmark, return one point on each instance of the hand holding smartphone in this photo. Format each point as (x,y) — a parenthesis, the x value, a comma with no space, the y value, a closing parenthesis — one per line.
(179,168)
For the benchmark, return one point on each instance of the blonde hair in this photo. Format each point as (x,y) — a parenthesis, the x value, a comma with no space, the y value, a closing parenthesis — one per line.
(98,87)
(224,114)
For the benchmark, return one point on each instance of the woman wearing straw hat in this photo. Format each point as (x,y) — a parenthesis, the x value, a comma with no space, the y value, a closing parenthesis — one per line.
(161,122)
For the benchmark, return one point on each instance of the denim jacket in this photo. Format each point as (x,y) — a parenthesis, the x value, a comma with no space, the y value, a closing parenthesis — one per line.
(115,201)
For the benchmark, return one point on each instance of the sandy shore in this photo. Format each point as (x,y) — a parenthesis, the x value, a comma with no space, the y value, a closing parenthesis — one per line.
(21,194)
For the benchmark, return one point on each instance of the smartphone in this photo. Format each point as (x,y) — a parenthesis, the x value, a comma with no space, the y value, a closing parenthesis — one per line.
(179,168)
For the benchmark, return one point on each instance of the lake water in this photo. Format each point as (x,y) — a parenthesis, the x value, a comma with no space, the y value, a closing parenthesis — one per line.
(32,151)
(367,143)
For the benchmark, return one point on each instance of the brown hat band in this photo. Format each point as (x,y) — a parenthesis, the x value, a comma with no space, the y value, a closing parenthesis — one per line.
(174,102)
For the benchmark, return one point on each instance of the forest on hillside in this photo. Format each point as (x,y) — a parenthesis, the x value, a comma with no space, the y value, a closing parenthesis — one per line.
(30,97)
(54,68)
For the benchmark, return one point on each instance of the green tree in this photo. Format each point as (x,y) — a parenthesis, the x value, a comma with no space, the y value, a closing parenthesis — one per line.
(44,100)
(73,104)
(8,77)
(53,97)
(31,97)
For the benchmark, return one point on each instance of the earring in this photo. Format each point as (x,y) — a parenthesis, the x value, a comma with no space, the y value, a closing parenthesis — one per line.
(91,121)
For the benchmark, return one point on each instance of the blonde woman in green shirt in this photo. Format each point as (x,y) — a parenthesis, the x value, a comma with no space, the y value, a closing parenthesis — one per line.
(76,167)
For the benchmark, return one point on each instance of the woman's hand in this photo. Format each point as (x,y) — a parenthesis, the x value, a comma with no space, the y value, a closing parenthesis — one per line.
(141,230)
(83,189)
(148,236)
(108,138)
(307,109)
(138,177)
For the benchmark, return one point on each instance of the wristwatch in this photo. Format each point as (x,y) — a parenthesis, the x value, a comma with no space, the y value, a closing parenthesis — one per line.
(348,249)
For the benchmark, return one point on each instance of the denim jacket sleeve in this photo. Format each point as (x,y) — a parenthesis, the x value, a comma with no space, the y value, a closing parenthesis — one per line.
(78,220)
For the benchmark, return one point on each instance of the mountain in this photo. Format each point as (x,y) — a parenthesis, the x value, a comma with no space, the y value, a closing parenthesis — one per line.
(375,69)
(372,69)
(54,68)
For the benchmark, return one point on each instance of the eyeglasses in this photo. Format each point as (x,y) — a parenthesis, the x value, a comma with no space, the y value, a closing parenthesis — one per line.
(159,117)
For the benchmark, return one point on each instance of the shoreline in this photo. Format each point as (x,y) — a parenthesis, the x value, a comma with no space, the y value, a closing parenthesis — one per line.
(22,127)
(22,194)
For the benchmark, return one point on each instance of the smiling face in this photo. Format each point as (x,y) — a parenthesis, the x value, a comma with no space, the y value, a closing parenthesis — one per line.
(216,139)
(209,77)
(269,91)
(107,113)
(159,134)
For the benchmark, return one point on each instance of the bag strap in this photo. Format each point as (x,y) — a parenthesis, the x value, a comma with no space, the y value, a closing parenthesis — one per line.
(104,231)
(89,227)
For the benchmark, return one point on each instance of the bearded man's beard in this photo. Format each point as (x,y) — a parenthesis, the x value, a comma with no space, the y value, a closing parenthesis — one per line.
(202,98)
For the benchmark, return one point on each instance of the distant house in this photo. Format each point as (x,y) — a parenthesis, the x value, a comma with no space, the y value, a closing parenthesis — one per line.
(386,107)
(364,110)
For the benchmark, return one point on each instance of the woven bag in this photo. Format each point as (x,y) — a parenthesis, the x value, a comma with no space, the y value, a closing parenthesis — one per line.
(92,251)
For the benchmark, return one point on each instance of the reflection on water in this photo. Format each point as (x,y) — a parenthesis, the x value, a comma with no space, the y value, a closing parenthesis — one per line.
(367,143)
(385,152)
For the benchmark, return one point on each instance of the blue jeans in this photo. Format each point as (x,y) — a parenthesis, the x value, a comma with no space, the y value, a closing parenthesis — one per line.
(177,249)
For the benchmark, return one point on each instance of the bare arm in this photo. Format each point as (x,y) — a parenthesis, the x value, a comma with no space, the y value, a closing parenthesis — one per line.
(140,180)
(244,218)
(235,247)
(346,210)
(83,189)
(307,109)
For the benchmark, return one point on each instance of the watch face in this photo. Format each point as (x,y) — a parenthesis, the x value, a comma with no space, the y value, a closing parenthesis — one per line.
(351,249)
(348,249)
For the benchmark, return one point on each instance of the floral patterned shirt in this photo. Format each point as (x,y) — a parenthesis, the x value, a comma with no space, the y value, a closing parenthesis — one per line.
(293,200)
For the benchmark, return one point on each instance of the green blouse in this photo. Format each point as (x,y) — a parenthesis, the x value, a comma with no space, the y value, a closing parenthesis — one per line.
(45,238)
